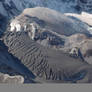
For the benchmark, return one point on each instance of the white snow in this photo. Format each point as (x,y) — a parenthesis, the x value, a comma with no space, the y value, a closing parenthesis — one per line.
(74,51)
(85,17)
(15,26)
(33,30)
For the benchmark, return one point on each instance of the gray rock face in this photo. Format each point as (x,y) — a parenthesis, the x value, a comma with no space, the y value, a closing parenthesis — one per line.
(46,64)
(36,31)
(31,39)
(49,20)
(49,31)
(55,21)
(81,42)
(14,76)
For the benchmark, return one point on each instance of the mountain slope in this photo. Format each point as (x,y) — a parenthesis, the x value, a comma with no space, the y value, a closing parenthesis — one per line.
(45,63)
(51,19)
(11,8)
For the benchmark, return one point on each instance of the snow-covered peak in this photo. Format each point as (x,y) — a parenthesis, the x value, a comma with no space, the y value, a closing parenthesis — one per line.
(51,20)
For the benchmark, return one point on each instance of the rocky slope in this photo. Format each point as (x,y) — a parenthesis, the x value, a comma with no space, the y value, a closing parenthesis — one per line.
(49,29)
(52,31)
(43,64)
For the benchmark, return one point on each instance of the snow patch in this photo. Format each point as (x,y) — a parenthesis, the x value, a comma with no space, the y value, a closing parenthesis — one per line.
(33,31)
(85,17)
(15,26)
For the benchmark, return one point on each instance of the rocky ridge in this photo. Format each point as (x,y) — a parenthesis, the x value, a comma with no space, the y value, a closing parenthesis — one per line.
(81,43)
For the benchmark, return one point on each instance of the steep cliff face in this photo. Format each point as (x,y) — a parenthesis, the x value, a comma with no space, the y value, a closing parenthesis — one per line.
(9,9)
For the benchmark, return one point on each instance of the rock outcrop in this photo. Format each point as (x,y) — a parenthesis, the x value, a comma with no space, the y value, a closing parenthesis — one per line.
(43,45)
(46,64)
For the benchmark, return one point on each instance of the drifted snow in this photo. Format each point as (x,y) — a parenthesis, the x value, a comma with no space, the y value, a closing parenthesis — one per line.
(85,17)
(33,31)
(74,51)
